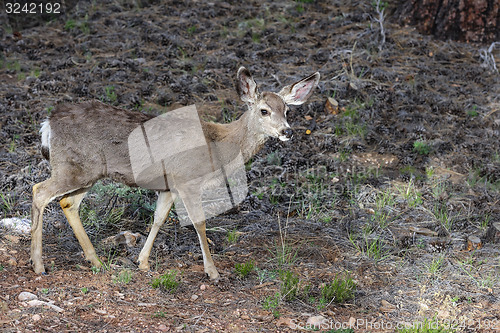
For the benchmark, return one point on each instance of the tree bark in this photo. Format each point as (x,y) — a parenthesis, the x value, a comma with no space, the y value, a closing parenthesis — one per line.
(462,20)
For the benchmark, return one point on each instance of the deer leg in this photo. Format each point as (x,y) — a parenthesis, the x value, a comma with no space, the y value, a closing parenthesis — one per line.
(43,194)
(195,213)
(163,205)
(70,205)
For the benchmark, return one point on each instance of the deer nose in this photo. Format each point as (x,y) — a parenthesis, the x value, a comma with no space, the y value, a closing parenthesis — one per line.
(287,132)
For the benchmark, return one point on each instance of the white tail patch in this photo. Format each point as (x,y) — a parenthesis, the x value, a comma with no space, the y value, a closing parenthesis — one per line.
(46,134)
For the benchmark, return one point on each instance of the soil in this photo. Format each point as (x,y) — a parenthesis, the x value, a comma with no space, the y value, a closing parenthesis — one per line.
(383,182)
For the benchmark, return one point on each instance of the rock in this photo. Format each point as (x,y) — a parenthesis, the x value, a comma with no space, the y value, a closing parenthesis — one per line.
(26,296)
(386,306)
(17,225)
(12,261)
(315,322)
(194,297)
(36,302)
(36,317)
(163,327)
(203,287)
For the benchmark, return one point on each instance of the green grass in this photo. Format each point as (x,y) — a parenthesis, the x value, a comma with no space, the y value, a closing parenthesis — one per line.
(168,282)
(110,95)
(370,247)
(340,290)
(243,270)
(272,303)
(421,148)
(472,112)
(7,202)
(160,314)
(232,236)
(384,201)
(290,283)
(70,24)
(123,277)
(435,266)
(410,194)
(443,216)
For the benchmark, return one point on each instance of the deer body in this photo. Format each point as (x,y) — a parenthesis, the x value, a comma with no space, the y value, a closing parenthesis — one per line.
(89,141)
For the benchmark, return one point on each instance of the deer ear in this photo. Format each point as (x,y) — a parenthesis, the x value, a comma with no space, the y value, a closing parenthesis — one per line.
(246,86)
(300,91)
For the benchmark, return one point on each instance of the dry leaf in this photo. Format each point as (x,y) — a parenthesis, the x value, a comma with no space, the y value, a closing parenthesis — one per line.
(284,322)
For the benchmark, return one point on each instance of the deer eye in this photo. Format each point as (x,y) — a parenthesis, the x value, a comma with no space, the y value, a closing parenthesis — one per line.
(264,112)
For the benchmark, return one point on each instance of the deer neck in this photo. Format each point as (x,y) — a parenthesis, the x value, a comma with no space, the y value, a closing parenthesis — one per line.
(240,133)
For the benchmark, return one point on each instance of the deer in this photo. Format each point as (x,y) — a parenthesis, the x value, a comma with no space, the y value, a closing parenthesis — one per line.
(87,141)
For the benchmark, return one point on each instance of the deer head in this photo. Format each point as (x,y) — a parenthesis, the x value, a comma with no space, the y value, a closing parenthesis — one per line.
(268,110)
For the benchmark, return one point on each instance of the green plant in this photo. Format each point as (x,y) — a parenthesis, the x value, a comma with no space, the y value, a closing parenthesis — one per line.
(264,274)
(472,112)
(70,24)
(442,214)
(485,222)
(1,267)
(110,95)
(191,30)
(84,290)
(435,266)
(106,265)
(13,143)
(244,270)
(290,283)
(412,196)
(421,147)
(272,303)
(159,314)
(123,277)
(7,202)
(370,247)
(45,291)
(340,290)
(168,282)
(232,236)
(384,201)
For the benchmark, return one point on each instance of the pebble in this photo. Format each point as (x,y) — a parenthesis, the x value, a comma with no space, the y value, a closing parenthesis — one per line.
(36,317)
(194,297)
(26,296)
(203,287)
(163,327)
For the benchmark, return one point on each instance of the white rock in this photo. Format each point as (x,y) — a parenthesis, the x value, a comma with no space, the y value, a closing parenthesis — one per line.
(315,322)
(26,296)
(17,225)
(36,317)
(36,302)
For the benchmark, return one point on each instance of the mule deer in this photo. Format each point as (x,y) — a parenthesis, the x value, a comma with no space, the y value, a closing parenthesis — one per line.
(88,141)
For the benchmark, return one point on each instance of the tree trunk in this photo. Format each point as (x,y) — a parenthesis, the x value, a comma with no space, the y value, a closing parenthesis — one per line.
(462,20)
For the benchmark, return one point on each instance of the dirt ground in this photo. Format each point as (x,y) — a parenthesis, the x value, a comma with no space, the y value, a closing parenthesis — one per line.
(394,164)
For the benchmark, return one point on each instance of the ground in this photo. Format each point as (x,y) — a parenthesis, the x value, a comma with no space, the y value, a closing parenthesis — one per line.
(393,166)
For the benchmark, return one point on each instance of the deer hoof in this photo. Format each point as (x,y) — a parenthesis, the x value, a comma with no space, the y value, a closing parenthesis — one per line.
(212,273)
(144,266)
